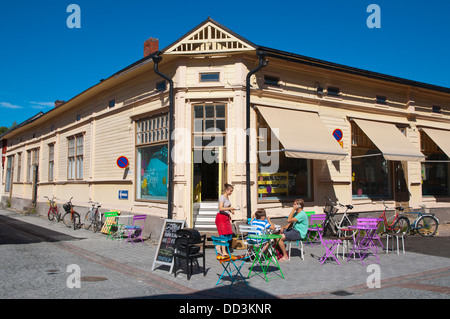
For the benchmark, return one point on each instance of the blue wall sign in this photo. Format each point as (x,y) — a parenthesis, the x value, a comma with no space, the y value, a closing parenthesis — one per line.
(123,194)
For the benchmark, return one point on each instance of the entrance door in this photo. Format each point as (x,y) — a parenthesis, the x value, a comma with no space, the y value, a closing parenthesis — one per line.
(207,177)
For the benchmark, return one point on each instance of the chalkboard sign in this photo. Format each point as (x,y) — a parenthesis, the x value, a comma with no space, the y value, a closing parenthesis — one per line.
(166,247)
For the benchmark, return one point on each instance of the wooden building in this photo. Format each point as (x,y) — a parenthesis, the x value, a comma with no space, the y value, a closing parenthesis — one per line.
(317,129)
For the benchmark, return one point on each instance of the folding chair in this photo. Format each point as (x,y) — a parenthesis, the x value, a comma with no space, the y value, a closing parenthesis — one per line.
(110,222)
(244,231)
(365,243)
(135,231)
(330,246)
(315,225)
(228,262)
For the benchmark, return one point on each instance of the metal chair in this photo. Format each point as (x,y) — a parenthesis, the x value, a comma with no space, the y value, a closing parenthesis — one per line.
(228,262)
(110,224)
(189,245)
(135,231)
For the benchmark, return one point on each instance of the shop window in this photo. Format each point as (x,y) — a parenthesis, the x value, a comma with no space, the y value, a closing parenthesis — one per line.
(281,178)
(371,173)
(152,161)
(435,170)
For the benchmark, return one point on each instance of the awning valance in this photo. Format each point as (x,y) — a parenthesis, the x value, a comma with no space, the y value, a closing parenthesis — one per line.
(390,141)
(302,134)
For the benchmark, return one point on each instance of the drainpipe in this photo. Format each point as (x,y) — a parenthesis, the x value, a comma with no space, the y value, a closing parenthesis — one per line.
(156,59)
(262,63)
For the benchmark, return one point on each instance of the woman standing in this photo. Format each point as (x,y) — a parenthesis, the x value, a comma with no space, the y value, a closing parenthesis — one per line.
(223,217)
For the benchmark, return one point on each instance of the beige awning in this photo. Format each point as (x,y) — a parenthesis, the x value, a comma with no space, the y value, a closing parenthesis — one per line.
(390,141)
(302,134)
(440,137)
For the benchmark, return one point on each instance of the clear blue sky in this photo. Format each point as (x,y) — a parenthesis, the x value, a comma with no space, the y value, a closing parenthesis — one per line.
(42,60)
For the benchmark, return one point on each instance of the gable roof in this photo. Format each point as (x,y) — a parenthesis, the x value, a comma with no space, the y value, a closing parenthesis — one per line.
(209,37)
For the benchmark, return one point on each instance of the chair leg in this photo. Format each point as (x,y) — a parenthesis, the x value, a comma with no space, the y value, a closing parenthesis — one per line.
(174,266)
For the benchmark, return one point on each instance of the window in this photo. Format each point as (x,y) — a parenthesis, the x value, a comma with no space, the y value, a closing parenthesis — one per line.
(78,117)
(333,91)
(51,161)
(209,125)
(152,136)
(112,103)
(75,157)
(381,100)
(371,173)
(161,86)
(32,163)
(436,170)
(210,77)
(271,80)
(9,165)
(281,177)
(436,109)
(19,166)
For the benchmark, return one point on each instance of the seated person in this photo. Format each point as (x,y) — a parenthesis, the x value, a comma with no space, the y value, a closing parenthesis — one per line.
(262,224)
(296,229)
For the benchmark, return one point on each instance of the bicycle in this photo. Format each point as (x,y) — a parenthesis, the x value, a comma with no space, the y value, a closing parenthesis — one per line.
(53,210)
(338,228)
(399,224)
(93,217)
(425,224)
(71,218)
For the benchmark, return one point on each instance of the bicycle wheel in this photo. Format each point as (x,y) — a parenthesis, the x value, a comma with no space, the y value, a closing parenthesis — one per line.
(427,226)
(401,225)
(50,215)
(76,221)
(67,219)
(87,220)
(97,223)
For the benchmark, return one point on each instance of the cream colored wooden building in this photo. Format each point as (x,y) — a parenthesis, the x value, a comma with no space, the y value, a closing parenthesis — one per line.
(394,136)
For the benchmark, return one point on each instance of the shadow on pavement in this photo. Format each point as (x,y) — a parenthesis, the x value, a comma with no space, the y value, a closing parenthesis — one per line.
(16,232)
(434,246)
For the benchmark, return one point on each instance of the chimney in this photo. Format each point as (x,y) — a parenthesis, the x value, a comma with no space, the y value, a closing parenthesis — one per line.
(59,102)
(151,46)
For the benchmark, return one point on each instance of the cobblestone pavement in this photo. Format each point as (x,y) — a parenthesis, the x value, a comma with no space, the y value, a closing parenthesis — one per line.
(36,255)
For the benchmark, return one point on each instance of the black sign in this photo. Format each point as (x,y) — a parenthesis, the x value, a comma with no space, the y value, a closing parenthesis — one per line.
(166,247)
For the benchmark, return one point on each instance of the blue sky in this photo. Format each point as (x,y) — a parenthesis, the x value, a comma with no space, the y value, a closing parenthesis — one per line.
(42,60)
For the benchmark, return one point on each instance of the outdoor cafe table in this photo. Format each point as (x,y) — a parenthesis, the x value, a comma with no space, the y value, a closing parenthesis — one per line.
(267,257)
(363,240)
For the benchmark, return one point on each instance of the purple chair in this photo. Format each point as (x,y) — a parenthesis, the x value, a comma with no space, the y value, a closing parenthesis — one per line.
(330,246)
(135,231)
(315,225)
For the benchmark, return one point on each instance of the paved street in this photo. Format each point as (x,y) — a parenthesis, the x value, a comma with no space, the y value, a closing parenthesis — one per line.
(36,258)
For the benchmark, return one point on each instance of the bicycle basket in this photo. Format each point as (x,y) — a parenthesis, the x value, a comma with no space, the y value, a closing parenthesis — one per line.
(67,207)
(330,209)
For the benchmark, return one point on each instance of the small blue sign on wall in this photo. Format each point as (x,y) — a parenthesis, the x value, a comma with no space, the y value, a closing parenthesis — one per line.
(123,194)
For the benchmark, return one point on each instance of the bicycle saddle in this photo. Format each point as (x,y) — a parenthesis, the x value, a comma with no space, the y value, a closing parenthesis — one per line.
(349,206)
(400,208)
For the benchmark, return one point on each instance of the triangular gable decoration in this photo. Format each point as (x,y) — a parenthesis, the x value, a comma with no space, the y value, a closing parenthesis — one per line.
(209,39)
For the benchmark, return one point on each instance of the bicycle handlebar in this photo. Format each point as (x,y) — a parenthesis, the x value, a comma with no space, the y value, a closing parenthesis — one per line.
(335,204)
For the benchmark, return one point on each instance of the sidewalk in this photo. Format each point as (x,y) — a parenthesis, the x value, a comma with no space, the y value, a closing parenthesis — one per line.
(410,275)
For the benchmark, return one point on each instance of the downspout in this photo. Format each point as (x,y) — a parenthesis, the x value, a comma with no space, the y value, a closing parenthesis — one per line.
(262,63)
(156,59)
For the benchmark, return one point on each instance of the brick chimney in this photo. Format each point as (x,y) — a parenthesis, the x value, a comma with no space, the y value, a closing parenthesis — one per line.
(151,46)
(59,102)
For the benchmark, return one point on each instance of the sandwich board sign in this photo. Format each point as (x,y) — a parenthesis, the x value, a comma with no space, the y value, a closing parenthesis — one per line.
(166,246)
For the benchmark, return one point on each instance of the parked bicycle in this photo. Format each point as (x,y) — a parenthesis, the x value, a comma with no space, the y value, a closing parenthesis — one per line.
(53,210)
(93,217)
(426,224)
(338,227)
(397,224)
(71,218)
